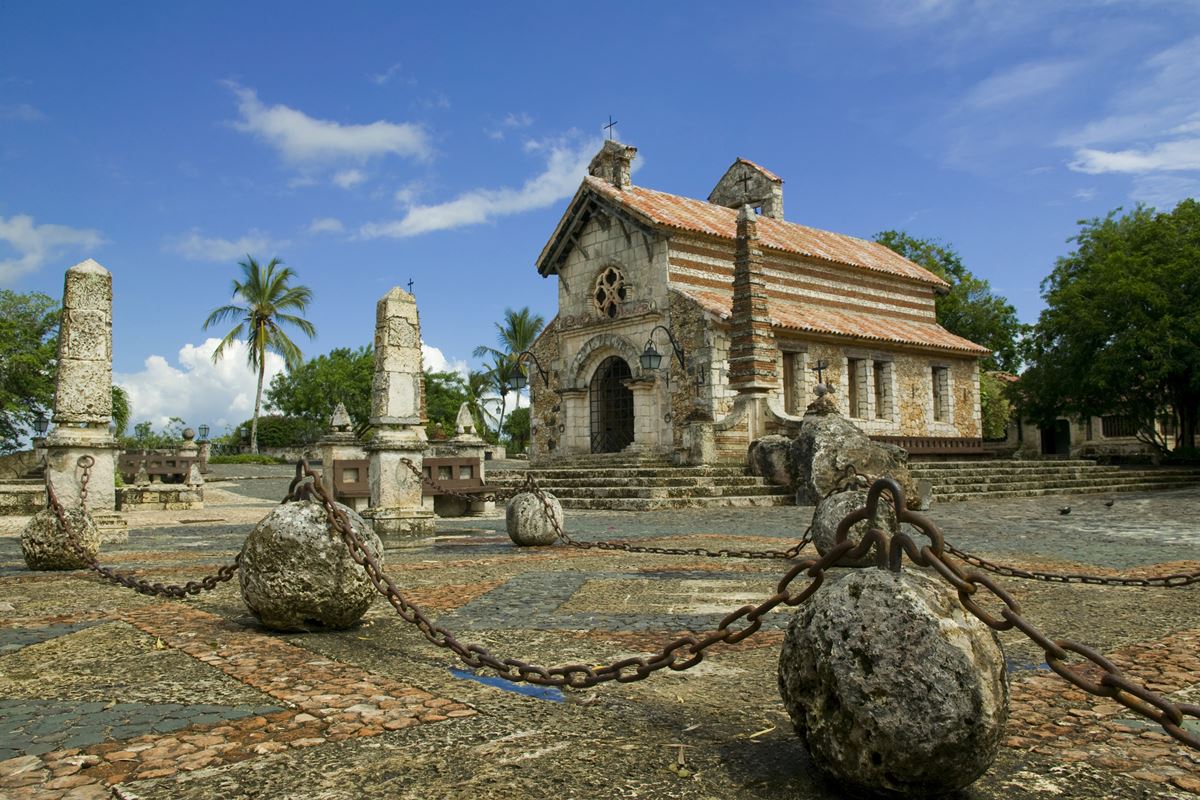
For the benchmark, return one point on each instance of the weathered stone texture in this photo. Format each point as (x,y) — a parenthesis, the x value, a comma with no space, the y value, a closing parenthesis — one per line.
(830,450)
(834,508)
(768,458)
(297,574)
(45,544)
(545,403)
(397,393)
(893,686)
(527,522)
(83,391)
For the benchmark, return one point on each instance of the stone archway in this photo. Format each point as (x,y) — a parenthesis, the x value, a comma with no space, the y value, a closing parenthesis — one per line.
(610,405)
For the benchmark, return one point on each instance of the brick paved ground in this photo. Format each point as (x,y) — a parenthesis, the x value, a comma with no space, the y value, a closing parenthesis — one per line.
(105,693)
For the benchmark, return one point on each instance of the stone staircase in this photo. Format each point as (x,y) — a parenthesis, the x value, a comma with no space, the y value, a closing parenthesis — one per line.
(965,480)
(624,483)
(22,497)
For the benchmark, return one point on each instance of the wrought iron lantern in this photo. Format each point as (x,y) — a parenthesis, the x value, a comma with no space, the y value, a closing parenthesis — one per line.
(651,359)
(519,379)
(40,423)
(203,432)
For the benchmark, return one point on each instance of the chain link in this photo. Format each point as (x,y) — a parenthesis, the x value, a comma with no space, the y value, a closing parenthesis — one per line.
(530,485)
(1172,581)
(205,584)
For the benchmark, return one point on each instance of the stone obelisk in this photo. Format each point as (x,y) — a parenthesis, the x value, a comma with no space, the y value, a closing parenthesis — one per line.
(397,413)
(83,400)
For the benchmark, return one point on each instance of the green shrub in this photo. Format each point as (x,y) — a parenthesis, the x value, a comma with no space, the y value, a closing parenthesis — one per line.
(280,431)
(247,458)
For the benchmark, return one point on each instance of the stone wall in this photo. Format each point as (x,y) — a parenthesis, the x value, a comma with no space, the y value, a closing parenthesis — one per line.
(544,400)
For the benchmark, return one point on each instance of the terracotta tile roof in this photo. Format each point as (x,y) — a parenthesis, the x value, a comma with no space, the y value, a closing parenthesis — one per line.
(766,172)
(859,325)
(687,214)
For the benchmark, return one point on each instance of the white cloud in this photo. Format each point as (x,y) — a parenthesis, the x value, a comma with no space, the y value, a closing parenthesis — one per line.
(393,73)
(1021,82)
(196,247)
(565,167)
(1179,155)
(349,178)
(21,112)
(511,122)
(434,360)
(300,138)
(37,244)
(1150,130)
(196,390)
(326,225)
(1085,194)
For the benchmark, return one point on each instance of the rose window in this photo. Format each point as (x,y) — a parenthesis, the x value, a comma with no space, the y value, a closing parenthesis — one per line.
(610,292)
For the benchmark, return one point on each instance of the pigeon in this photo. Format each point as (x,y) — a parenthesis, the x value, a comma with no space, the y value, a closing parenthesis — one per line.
(1065,510)
(1109,503)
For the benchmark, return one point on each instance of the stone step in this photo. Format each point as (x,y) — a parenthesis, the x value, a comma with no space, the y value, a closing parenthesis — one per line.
(18,498)
(1117,477)
(682,492)
(1062,486)
(514,476)
(1021,469)
(998,462)
(669,503)
(657,481)
(1043,491)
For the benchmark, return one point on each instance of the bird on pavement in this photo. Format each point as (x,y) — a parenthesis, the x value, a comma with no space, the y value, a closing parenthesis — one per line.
(1064,510)
(1109,503)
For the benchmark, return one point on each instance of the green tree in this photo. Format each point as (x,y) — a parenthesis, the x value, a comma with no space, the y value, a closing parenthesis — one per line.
(515,335)
(517,428)
(28,349)
(445,392)
(120,409)
(267,302)
(312,390)
(1120,333)
(969,309)
(995,405)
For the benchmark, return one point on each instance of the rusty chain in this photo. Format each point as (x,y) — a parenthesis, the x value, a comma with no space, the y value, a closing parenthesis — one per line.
(680,654)
(530,485)
(205,584)
(1112,683)
(1172,581)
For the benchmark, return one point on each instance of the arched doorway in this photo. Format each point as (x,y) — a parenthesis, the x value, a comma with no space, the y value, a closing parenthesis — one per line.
(611,406)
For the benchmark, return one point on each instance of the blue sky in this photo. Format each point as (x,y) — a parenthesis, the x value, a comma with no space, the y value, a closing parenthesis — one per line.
(369,143)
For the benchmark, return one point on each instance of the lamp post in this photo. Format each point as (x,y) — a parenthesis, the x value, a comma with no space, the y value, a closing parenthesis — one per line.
(204,446)
(40,424)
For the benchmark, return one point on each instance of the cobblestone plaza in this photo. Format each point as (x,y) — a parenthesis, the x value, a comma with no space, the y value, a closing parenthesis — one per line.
(106,693)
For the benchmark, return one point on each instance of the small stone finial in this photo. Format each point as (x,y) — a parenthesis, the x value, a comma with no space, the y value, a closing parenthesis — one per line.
(340,421)
(188,434)
(464,423)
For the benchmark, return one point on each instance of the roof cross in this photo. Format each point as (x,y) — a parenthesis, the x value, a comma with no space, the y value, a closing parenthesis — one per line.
(609,127)
(410,283)
(745,182)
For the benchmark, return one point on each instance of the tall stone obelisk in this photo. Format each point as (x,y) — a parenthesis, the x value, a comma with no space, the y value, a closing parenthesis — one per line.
(397,413)
(83,400)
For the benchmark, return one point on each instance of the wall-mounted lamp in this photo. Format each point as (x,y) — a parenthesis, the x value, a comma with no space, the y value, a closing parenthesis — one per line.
(651,359)
(518,380)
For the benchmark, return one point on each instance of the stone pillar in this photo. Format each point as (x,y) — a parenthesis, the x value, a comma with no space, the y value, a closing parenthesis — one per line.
(646,417)
(83,399)
(576,419)
(397,412)
(465,444)
(752,351)
(194,480)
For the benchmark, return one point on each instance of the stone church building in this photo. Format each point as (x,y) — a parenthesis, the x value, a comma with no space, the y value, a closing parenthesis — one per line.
(754,304)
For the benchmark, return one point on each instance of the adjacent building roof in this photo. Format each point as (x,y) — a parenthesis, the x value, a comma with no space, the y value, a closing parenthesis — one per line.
(811,318)
(688,214)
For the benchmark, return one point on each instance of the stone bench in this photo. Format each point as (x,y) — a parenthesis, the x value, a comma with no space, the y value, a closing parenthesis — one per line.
(462,475)
(351,484)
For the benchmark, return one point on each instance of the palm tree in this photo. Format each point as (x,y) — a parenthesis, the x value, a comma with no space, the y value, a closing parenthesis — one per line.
(477,384)
(267,299)
(515,335)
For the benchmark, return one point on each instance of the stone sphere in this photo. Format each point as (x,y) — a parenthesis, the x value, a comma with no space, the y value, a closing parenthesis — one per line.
(44,542)
(834,508)
(297,574)
(525,517)
(189,434)
(892,685)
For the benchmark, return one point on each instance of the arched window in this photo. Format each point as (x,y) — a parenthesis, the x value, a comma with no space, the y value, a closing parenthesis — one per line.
(609,292)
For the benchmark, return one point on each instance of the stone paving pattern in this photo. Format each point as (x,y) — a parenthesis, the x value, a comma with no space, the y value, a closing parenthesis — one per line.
(105,693)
